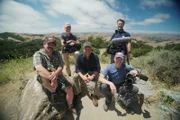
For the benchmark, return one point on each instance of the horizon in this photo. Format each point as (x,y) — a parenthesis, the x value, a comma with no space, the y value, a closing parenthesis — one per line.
(96,16)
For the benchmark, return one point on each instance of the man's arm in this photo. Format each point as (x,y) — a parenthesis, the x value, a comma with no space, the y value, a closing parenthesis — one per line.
(105,81)
(42,71)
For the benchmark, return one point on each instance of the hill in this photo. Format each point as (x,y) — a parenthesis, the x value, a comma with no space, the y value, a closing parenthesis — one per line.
(151,39)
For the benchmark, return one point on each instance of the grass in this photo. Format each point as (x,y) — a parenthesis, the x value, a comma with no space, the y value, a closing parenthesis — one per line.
(15,69)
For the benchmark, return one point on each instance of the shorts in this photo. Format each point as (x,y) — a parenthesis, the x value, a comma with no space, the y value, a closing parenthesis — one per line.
(63,82)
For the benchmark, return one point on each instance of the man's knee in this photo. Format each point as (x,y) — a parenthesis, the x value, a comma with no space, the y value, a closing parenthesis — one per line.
(104,87)
(68,89)
(91,85)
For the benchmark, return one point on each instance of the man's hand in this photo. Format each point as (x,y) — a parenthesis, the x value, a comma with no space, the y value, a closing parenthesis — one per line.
(52,76)
(134,72)
(90,77)
(113,88)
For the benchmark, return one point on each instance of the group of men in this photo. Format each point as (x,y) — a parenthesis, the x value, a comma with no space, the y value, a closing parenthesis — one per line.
(49,64)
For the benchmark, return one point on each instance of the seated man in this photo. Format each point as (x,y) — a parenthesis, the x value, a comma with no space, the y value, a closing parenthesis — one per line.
(116,73)
(87,69)
(49,65)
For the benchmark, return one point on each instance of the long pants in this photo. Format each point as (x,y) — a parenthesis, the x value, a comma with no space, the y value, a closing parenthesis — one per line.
(66,61)
(105,89)
(92,86)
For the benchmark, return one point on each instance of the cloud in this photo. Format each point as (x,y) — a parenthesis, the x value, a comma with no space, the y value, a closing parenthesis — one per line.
(158,18)
(94,15)
(18,17)
(155,3)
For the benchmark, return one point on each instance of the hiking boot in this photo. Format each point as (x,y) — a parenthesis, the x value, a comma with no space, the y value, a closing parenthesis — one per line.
(73,110)
(106,105)
(94,100)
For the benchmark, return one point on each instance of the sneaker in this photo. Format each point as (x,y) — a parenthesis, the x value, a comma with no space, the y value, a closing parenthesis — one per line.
(94,100)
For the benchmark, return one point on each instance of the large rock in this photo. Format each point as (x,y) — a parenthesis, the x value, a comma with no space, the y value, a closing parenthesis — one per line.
(34,104)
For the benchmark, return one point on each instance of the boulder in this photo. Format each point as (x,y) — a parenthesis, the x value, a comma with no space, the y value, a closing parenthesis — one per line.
(35,105)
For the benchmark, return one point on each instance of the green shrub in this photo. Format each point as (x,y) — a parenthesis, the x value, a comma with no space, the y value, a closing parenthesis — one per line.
(140,48)
(162,65)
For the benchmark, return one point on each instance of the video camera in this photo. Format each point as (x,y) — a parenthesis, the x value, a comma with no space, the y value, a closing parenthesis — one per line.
(70,49)
(130,79)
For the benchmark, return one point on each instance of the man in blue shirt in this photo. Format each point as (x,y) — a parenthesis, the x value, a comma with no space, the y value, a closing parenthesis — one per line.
(88,69)
(115,73)
(67,38)
(124,47)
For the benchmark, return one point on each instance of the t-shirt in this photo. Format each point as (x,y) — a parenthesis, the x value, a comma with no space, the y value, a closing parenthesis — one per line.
(116,75)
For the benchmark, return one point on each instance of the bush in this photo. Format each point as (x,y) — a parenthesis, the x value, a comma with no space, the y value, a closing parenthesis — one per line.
(140,48)
(162,65)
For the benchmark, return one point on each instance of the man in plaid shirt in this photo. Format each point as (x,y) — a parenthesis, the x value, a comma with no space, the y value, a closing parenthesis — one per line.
(49,65)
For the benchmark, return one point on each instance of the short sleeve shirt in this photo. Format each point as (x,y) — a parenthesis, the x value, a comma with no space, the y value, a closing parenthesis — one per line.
(41,58)
(116,75)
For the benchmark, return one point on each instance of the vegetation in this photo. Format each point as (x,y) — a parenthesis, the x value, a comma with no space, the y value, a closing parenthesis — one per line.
(15,69)
(161,65)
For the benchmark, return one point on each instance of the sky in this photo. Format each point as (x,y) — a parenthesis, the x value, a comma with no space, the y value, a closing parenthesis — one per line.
(49,16)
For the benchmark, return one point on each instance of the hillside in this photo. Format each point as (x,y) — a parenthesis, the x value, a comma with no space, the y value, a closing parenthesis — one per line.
(151,39)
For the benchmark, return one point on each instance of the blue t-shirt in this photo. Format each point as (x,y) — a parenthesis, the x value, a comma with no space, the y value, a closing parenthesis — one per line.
(116,75)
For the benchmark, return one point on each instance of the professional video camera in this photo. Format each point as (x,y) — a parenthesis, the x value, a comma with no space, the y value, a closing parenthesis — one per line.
(118,45)
(130,79)
(70,49)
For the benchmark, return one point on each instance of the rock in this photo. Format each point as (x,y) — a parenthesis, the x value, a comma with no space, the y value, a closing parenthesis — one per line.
(145,87)
(34,104)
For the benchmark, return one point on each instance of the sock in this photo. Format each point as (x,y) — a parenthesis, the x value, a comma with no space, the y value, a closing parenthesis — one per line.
(53,91)
(70,104)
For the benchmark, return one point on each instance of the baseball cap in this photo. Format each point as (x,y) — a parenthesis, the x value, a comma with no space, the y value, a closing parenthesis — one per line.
(67,24)
(119,54)
(49,40)
(87,44)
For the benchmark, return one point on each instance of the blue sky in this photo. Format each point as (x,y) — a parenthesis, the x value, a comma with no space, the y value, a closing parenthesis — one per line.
(49,16)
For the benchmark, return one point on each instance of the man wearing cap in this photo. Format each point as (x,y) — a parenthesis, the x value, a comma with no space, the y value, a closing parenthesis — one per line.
(67,38)
(49,65)
(88,69)
(115,73)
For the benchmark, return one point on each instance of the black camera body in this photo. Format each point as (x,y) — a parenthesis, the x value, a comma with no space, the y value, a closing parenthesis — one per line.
(130,79)
(70,49)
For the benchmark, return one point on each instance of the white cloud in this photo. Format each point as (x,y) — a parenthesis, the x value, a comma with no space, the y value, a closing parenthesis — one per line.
(155,3)
(158,18)
(18,17)
(93,15)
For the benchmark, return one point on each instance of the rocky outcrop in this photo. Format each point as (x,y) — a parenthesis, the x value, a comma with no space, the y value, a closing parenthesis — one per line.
(34,104)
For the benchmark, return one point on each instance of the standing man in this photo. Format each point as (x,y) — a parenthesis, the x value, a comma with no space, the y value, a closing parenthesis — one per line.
(68,40)
(49,65)
(88,69)
(116,73)
(124,47)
